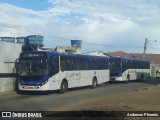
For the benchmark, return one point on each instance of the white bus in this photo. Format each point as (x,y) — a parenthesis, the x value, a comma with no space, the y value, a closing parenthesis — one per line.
(126,69)
(43,71)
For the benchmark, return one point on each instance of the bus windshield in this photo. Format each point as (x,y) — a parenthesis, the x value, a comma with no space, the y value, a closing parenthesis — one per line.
(33,67)
(115,66)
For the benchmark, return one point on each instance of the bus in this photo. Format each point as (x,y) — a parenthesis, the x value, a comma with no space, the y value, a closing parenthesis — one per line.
(126,69)
(47,71)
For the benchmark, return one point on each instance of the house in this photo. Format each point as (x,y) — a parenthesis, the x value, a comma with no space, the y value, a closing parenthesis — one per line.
(118,54)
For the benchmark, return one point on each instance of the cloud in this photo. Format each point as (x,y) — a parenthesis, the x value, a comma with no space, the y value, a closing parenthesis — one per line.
(118,22)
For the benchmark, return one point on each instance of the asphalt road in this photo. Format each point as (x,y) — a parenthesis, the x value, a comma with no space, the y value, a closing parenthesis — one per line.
(54,101)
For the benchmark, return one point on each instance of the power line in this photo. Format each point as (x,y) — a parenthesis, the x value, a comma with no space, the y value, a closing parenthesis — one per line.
(108,45)
(30,30)
(145,47)
(62,37)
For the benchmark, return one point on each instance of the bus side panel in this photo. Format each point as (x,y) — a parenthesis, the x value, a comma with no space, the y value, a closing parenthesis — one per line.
(103,76)
(72,78)
(146,73)
(134,74)
(87,77)
(55,81)
(78,78)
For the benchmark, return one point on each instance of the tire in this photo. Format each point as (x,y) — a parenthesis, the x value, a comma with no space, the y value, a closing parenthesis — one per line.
(63,88)
(94,83)
(142,77)
(128,78)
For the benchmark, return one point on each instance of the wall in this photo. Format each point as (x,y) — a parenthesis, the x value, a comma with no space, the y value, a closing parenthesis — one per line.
(96,53)
(69,49)
(9,52)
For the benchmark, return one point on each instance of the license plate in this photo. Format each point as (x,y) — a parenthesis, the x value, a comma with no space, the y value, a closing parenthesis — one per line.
(29,87)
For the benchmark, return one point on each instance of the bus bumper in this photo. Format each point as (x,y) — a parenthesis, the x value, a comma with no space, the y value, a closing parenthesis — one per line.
(34,88)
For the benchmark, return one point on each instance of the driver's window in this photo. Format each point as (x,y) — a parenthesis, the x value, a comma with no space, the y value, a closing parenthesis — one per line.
(54,65)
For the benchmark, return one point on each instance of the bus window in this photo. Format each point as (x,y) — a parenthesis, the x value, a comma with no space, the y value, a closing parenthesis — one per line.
(63,63)
(115,66)
(54,65)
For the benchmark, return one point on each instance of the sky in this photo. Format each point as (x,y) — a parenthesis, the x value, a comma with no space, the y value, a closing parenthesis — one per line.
(104,25)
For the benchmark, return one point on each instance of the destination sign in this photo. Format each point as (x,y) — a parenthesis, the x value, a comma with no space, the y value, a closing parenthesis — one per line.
(33,55)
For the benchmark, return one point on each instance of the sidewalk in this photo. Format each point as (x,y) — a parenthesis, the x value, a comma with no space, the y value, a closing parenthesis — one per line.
(7,93)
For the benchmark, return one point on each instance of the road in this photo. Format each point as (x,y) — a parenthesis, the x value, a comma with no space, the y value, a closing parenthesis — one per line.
(54,101)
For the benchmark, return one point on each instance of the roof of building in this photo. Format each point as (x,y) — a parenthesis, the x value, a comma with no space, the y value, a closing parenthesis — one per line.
(118,54)
(154,58)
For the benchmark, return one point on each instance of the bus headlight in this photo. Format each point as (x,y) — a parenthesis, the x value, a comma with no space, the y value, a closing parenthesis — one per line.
(44,82)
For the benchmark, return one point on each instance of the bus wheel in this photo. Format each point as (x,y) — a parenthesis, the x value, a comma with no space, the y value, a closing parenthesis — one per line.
(64,87)
(128,78)
(142,77)
(94,83)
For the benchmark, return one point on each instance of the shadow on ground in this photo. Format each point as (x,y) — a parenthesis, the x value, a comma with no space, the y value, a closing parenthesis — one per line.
(155,81)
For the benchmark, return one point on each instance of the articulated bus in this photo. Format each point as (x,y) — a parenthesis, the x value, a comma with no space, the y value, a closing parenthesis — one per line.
(46,71)
(125,69)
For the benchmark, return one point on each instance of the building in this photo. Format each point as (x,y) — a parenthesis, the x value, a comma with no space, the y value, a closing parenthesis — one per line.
(118,54)
(96,53)
(153,58)
(75,48)
(9,52)
(68,49)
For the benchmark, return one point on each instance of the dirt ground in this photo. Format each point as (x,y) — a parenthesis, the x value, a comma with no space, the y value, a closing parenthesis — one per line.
(145,99)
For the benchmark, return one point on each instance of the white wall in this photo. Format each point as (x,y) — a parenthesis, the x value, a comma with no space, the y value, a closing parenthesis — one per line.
(9,52)
(96,53)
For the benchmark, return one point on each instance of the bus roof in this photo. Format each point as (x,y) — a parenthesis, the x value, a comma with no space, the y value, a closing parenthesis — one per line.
(76,55)
(49,53)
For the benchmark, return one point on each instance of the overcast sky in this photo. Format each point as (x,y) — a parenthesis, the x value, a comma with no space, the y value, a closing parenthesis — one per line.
(120,25)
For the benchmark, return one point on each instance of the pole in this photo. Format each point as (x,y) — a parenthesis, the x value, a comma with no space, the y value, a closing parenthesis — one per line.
(145,47)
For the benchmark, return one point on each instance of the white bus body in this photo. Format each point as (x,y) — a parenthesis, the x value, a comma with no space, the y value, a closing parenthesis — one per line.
(72,78)
(126,69)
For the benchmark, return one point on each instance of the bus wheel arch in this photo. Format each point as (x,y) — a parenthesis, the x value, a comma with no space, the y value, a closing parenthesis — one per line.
(63,86)
(94,82)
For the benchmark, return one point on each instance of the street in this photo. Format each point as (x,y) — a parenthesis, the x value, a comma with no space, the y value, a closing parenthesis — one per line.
(53,101)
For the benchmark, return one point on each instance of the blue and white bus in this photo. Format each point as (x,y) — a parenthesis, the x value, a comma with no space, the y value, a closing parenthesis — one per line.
(43,71)
(125,69)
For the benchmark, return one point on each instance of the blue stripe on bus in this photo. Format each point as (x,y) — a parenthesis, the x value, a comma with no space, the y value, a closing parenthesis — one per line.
(34,82)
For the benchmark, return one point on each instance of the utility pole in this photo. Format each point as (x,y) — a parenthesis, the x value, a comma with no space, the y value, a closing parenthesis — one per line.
(145,47)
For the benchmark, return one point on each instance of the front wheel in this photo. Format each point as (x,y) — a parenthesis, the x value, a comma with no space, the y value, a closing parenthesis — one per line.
(142,78)
(63,88)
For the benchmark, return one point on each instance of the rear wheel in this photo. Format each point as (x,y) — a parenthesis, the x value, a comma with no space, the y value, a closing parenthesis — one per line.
(142,77)
(128,78)
(94,83)
(64,87)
